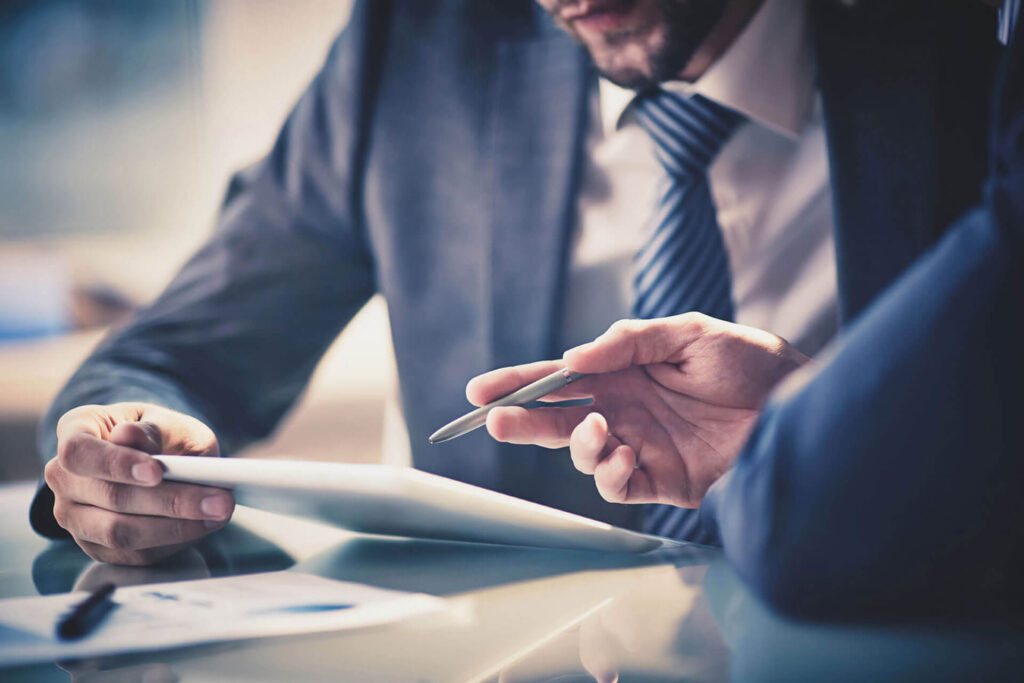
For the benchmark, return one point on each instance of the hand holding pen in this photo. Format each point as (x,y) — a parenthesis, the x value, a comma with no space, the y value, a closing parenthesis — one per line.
(673,402)
(552,382)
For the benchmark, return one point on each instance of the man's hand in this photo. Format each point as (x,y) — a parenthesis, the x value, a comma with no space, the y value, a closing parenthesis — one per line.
(674,400)
(110,494)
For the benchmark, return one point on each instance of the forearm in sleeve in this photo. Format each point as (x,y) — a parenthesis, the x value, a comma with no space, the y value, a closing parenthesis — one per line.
(888,484)
(237,333)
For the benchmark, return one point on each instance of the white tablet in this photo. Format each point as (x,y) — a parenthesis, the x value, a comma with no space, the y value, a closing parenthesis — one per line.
(396,501)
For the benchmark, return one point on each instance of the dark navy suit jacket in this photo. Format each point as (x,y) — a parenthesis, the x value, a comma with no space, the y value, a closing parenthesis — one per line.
(435,159)
(889,484)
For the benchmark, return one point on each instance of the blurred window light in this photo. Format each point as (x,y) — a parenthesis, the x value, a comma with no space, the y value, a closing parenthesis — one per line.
(99,107)
(33,295)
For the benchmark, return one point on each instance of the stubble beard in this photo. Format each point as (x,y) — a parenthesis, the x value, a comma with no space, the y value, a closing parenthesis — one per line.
(659,50)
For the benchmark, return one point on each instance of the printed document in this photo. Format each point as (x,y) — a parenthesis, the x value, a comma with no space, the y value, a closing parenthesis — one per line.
(164,615)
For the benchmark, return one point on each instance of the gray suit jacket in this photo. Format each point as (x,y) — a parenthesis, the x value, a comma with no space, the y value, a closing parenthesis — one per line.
(435,159)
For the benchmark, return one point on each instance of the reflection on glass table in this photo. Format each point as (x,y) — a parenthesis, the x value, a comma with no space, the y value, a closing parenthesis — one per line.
(517,614)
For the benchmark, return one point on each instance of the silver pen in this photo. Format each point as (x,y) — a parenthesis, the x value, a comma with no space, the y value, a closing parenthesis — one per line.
(531,392)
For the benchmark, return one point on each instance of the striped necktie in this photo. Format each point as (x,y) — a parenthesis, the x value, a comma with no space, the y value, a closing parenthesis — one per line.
(683,265)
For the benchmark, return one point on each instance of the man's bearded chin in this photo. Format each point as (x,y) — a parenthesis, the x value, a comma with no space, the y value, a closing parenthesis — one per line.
(638,60)
(659,50)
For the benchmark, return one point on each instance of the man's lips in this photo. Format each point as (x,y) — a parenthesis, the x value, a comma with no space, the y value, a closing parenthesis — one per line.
(597,16)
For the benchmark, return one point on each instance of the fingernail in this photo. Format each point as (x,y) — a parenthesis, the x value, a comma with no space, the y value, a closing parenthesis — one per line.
(212,523)
(145,473)
(214,507)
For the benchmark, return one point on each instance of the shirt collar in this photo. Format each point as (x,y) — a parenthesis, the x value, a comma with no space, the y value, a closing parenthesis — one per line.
(766,74)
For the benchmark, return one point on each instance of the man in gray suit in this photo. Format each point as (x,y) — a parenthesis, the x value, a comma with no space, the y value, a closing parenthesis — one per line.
(465,160)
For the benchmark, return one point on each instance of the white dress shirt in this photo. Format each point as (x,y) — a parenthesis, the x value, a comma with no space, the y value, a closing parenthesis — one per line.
(769,182)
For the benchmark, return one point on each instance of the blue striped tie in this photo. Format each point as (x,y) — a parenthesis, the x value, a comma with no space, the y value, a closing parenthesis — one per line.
(683,265)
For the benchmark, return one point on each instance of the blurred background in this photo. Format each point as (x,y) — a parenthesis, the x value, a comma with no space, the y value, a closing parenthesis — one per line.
(120,123)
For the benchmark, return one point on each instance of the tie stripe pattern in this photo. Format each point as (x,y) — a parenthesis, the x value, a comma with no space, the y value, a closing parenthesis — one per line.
(683,265)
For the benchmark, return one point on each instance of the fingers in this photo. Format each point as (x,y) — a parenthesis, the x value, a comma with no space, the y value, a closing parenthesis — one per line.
(638,342)
(613,475)
(613,464)
(142,436)
(169,499)
(121,532)
(492,385)
(587,442)
(109,491)
(547,427)
(85,455)
(596,452)
(177,433)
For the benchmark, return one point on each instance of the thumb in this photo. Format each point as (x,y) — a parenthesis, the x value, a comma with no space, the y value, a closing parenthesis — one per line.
(638,342)
(143,436)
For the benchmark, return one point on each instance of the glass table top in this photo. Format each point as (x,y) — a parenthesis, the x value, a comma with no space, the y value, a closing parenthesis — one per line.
(517,614)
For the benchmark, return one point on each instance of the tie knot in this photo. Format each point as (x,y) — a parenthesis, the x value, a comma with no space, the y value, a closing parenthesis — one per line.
(688,132)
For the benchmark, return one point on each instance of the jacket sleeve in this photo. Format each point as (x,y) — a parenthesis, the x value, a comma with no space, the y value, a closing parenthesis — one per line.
(237,333)
(889,483)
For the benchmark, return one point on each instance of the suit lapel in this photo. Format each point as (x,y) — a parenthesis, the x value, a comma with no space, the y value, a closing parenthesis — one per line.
(538,125)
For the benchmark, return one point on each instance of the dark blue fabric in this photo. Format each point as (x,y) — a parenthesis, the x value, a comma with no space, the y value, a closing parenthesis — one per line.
(904,87)
(435,160)
(889,483)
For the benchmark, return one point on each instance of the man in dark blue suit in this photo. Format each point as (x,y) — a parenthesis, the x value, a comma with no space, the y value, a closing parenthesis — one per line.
(437,159)
(880,482)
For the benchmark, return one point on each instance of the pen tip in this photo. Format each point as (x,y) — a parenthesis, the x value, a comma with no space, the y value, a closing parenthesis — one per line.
(440,436)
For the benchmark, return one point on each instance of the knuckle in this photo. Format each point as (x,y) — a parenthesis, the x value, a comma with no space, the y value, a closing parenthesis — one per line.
(53,475)
(72,414)
(116,496)
(107,465)
(126,408)
(67,451)
(119,535)
(697,320)
(61,513)
(689,317)
(621,328)
(178,505)
(665,325)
